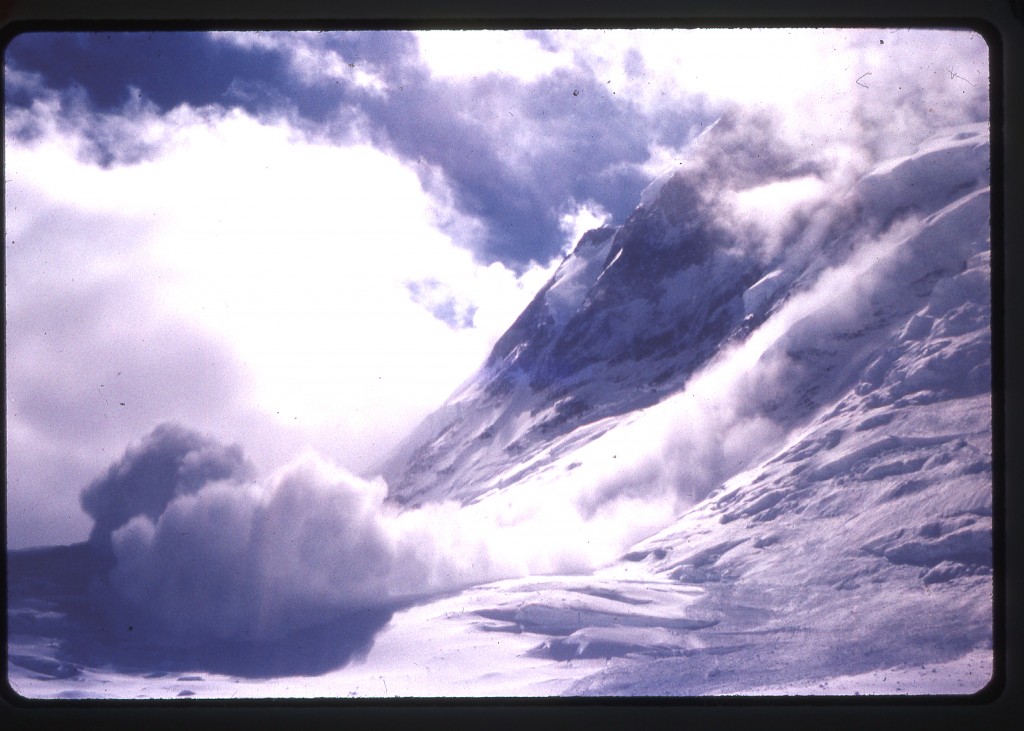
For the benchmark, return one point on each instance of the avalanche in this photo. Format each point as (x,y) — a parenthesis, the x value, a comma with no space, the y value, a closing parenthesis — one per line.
(818,426)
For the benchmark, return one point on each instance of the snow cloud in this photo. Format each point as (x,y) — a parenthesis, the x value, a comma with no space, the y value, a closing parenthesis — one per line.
(241,560)
(171,461)
(794,135)
(214,553)
(814,346)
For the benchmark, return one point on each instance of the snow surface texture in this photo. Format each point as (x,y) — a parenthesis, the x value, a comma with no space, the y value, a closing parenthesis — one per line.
(787,451)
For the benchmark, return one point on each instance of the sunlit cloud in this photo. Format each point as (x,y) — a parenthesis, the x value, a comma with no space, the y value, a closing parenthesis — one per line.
(584,217)
(287,255)
(467,54)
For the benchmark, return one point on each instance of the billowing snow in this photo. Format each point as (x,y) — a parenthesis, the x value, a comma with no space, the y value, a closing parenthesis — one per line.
(816,491)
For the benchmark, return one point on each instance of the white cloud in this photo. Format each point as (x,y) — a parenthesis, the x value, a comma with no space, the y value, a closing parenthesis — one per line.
(290,256)
(469,53)
(831,91)
(309,59)
(582,218)
(317,66)
(256,39)
(775,67)
(770,209)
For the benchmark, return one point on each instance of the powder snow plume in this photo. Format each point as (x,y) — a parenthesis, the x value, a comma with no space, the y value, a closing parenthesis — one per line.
(213,549)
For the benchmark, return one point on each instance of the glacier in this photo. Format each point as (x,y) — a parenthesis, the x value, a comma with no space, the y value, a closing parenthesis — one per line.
(788,449)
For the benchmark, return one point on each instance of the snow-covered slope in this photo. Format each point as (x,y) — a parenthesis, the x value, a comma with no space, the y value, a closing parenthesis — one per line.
(624,321)
(854,556)
(634,311)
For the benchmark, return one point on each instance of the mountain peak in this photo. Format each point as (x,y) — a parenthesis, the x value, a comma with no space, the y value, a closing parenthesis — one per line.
(635,310)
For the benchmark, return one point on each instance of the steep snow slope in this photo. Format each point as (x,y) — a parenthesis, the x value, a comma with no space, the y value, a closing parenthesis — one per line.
(633,312)
(864,545)
(856,557)
(625,319)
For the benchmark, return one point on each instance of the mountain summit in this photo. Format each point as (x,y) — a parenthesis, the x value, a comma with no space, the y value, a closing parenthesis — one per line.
(635,310)
(629,314)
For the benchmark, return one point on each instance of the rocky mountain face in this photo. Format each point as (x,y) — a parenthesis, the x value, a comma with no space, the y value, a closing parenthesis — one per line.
(635,310)
(853,554)
(625,319)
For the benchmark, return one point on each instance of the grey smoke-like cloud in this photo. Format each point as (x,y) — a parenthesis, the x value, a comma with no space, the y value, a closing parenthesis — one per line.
(212,552)
(256,560)
(170,462)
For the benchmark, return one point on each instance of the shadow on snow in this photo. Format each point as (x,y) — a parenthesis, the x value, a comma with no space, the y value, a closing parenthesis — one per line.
(61,605)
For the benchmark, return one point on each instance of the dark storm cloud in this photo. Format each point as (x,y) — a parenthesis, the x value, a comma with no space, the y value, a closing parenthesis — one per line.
(169,68)
(102,82)
(169,462)
(516,155)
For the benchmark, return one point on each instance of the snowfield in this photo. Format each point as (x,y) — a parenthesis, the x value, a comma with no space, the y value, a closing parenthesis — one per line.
(833,538)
